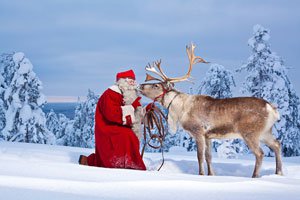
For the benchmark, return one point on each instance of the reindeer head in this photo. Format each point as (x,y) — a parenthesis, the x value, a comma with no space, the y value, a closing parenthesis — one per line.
(165,84)
(154,90)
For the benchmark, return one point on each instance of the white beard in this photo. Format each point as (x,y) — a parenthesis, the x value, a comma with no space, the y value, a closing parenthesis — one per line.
(130,93)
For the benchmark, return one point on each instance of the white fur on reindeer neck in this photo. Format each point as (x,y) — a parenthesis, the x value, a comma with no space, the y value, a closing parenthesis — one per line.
(130,93)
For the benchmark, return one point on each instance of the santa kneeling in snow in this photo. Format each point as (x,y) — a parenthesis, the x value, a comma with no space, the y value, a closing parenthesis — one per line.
(117,126)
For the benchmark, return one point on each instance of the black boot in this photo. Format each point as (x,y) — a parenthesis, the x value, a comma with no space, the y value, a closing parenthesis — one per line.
(82,160)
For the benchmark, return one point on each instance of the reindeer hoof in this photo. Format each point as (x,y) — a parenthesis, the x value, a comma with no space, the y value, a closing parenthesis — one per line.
(211,174)
(255,176)
(279,173)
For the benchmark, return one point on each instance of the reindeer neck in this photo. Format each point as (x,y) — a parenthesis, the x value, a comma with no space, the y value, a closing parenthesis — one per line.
(170,97)
(175,103)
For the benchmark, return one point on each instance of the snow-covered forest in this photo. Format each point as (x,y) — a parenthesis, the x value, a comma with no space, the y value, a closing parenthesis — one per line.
(22,118)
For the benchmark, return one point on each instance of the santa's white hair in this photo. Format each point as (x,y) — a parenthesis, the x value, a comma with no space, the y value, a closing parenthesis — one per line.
(130,93)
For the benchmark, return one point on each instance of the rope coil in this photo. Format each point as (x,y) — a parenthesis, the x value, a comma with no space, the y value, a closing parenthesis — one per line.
(154,118)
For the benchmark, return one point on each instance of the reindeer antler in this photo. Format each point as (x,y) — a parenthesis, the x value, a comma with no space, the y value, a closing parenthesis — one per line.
(192,60)
(152,69)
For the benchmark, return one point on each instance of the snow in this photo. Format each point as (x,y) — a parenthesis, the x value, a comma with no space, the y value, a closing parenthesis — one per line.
(177,150)
(25,113)
(41,100)
(226,150)
(7,93)
(10,113)
(256,28)
(260,47)
(266,37)
(18,57)
(25,66)
(1,78)
(35,171)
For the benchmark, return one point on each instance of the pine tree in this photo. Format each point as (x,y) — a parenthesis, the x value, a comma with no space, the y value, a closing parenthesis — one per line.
(2,109)
(8,68)
(52,122)
(218,83)
(22,101)
(57,123)
(83,126)
(62,134)
(267,78)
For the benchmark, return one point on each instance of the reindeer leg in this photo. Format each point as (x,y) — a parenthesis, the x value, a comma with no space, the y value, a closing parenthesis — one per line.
(258,152)
(200,141)
(208,157)
(274,144)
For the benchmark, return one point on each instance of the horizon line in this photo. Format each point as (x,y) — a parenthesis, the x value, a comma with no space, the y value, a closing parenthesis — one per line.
(65,99)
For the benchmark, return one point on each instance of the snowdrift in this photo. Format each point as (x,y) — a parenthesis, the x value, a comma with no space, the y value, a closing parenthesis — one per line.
(33,171)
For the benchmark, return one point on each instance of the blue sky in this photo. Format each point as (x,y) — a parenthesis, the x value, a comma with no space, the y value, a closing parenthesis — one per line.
(75,45)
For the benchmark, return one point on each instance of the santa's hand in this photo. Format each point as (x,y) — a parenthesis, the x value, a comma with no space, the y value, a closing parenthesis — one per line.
(146,109)
(128,120)
(149,106)
(136,102)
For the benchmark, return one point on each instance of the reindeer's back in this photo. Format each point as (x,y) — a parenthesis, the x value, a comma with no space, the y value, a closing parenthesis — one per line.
(233,115)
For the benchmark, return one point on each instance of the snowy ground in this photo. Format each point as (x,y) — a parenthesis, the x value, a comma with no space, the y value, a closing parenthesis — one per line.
(31,171)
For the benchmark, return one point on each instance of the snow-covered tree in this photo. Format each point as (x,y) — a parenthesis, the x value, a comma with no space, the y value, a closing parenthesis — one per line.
(2,117)
(226,150)
(22,101)
(218,83)
(186,141)
(2,109)
(78,131)
(267,78)
(52,122)
(62,134)
(57,123)
(83,125)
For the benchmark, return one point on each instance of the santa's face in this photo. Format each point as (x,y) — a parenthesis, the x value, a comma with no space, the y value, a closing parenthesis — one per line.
(127,84)
(131,82)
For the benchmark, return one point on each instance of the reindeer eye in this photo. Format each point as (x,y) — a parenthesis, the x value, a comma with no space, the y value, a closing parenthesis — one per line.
(155,86)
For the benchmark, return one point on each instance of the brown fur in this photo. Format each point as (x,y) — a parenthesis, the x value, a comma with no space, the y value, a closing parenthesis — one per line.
(207,118)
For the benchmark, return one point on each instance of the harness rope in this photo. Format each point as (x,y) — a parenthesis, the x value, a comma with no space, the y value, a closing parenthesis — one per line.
(154,116)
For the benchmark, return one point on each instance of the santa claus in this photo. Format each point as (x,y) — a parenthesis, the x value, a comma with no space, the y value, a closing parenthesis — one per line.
(117,126)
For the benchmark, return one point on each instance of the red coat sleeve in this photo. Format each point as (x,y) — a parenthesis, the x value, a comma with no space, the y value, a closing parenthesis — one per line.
(110,107)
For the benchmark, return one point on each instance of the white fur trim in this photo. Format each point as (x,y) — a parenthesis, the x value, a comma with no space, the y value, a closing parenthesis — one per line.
(115,88)
(127,110)
(143,111)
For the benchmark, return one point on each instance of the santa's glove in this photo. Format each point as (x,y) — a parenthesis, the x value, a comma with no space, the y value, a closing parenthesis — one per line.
(136,102)
(128,120)
(149,106)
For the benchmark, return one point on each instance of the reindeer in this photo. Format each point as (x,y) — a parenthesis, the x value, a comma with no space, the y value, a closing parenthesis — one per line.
(206,118)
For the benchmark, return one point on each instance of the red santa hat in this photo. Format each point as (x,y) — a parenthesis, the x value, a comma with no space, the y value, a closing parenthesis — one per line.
(126,74)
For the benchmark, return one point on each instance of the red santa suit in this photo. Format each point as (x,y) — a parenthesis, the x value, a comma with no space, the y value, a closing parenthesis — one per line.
(116,145)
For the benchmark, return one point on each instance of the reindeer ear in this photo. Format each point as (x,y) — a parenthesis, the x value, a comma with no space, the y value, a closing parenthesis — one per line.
(148,77)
